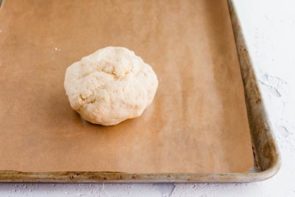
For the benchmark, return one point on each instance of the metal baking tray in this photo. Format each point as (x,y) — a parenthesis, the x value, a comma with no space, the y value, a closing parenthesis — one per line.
(265,151)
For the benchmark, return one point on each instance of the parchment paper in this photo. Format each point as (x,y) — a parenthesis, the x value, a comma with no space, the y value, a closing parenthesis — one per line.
(197,123)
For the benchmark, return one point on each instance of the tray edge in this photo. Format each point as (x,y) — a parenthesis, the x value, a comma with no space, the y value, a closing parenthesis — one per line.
(265,148)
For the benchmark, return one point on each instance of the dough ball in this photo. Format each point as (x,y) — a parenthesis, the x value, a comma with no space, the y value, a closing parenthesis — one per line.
(110,86)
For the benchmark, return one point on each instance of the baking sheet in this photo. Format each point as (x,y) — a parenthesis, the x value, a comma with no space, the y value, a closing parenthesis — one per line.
(197,123)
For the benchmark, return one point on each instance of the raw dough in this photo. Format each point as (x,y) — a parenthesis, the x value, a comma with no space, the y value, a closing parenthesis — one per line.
(110,86)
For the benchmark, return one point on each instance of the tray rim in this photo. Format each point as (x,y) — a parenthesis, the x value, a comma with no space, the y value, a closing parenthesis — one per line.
(267,171)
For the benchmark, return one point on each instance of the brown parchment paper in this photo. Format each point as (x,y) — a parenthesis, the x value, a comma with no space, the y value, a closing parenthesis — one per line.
(197,123)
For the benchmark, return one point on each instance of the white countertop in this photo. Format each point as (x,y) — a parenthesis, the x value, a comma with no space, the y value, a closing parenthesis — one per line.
(269,28)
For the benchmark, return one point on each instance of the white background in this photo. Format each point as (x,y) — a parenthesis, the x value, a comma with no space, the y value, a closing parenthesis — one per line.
(269,28)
